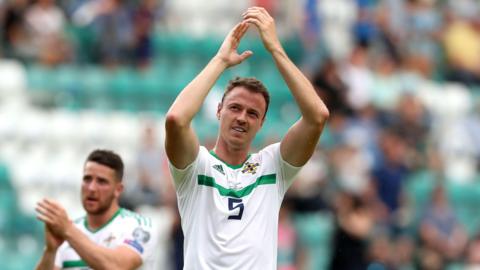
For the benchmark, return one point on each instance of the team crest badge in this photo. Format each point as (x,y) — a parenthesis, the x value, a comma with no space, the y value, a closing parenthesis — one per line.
(108,241)
(219,168)
(250,167)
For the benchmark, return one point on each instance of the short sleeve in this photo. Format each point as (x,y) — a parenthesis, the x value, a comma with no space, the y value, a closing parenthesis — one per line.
(286,172)
(184,179)
(142,239)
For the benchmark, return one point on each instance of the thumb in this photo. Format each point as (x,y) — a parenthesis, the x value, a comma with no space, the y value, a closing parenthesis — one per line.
(245,55)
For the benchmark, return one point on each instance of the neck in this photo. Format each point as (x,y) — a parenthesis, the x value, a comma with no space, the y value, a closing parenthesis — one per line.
(97,221)
(230,154)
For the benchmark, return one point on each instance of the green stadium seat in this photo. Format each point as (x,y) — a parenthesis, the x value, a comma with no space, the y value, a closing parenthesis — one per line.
(5,182)
(124,89)
(7,211)
(96,83)
(67,83)
(455,266)
(40,78)
(294,48)
(84,41)
(315,231)
(206,47)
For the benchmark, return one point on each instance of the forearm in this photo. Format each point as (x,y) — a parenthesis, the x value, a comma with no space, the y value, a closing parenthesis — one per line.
(190,100)
(311,106)
(47,262)
(95,256)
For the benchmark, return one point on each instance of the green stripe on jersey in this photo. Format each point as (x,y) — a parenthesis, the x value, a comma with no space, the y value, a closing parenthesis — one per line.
(71,264)
(262,180)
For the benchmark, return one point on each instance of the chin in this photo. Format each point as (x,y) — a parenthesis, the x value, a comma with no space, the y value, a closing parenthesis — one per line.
(240,143)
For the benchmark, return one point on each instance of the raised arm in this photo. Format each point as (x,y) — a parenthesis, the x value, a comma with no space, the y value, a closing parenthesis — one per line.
(181,143)
(301,139)
(96,257)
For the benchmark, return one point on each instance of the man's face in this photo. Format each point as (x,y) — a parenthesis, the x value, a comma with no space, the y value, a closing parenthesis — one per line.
(100,189)
(241,116)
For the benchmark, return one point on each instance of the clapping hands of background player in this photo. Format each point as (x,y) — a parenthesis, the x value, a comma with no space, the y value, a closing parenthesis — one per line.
(56,219)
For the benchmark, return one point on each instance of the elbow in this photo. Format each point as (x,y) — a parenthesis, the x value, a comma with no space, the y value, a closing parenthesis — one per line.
(324,114)
(321,117)
(174,120)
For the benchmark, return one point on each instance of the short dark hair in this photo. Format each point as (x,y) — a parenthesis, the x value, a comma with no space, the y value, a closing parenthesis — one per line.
(107,158)
(251,84)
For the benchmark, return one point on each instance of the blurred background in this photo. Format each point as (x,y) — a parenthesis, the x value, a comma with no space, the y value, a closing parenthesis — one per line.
(395,182)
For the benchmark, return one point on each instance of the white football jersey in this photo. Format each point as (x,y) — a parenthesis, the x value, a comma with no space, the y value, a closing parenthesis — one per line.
(230,213)
(124,228)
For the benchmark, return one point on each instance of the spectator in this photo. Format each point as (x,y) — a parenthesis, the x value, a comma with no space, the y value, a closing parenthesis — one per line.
(45,24)
(143,22)
(330,87)
(461,40)
(411,122)
(354,223)
(14,35)
(112,25)
(152,183)
(291,255)
(472,257)
(358,77)
(390,174)
(441,234)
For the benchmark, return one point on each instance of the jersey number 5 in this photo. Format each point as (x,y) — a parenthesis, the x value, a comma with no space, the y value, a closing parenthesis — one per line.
(234,204)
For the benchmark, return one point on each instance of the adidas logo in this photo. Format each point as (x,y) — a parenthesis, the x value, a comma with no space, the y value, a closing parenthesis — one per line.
(219,168)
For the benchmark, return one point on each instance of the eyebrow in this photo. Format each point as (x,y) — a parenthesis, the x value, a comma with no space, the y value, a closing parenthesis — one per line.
(102,179)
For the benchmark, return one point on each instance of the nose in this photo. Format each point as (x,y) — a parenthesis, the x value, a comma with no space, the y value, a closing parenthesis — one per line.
(242,117)
(92,185)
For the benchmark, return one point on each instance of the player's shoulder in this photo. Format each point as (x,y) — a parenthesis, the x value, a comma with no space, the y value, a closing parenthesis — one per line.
(130,218)
(269,150)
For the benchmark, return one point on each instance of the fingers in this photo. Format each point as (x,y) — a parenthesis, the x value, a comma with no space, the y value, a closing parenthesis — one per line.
(47,210)
(44,217)
(259,17)
(256,12)
(238,33)
(245,55)
(254,15)
(44,213)
(258,9)
(254,21)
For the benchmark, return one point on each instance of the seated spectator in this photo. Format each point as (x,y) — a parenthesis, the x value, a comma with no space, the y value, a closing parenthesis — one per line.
(389,176)
(14,36)
(442,236)
(45,24)
(472,254)
(461,40)
(112,26)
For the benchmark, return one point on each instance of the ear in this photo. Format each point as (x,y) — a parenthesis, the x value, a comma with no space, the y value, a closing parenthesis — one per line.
(119,189)
(219,108)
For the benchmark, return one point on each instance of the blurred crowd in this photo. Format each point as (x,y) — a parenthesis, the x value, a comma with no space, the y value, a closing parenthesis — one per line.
(101,31)
(401,79)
